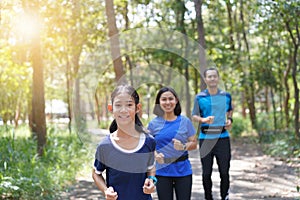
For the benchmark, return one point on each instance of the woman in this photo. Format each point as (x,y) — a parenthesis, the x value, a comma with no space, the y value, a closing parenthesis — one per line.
(127,154)
(175,136)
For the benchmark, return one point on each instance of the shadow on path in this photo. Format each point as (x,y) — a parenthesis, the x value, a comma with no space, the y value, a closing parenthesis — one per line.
(253,176)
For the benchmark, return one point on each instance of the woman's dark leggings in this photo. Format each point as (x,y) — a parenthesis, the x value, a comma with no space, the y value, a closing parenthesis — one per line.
(166,185)
(219,148)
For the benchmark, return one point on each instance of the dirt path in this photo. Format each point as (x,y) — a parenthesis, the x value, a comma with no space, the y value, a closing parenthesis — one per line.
(253,176)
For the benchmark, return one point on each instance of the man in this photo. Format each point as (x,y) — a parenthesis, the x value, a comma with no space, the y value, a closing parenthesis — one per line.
(213,110)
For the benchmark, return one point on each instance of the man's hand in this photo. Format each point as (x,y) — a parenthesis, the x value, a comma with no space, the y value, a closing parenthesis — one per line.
(228,124)
(209,120)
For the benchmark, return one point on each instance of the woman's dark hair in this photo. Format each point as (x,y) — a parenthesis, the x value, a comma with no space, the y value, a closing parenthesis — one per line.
(132,92)
(157,109)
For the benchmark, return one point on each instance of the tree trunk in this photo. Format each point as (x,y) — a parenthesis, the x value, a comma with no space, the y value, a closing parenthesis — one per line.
(114,41)
(296,88)
(69,94)
(201,40)
(296,43)
(180,12)
(287,92)
(97,107)
(274,110)
(77,39)
(249,84)
(38,99)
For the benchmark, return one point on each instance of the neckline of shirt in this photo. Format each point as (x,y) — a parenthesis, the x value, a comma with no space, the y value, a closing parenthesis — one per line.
(139,146)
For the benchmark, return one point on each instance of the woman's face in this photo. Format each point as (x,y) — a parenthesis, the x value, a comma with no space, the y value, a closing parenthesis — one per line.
(168,102)
(124,109)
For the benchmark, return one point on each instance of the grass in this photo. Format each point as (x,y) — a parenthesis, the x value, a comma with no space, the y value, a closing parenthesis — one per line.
(24,175)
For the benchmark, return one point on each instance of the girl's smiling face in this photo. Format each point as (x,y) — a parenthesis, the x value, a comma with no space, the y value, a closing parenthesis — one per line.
(124,109)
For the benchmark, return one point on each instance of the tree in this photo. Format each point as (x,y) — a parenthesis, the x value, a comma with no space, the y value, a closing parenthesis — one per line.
(290,23)
(114,40)
(201,39)
(38,99)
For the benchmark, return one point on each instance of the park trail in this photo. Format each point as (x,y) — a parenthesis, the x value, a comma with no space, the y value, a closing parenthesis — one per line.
(253,175)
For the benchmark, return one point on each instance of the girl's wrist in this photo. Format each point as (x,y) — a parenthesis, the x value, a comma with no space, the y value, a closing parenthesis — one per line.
(153,178)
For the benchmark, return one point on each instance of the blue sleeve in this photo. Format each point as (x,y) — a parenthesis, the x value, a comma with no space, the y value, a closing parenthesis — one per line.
(191,128)
(150,127)
(230,107)
(98,165)
(196,109)
(152,145)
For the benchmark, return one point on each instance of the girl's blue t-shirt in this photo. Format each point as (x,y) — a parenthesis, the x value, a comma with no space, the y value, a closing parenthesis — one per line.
(164,131)
(126,170)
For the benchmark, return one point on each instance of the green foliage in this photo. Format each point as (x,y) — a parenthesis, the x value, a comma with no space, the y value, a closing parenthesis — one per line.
(14,83)
(24,175)
(284,145)
(267,128)
(239,126)
(104,124)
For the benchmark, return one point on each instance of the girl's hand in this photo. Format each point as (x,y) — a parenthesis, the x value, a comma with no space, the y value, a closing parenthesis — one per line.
(110,194)
(149,186)
(178,145)
(159,157)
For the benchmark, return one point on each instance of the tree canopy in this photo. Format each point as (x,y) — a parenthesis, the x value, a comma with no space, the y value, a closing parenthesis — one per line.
(84,49)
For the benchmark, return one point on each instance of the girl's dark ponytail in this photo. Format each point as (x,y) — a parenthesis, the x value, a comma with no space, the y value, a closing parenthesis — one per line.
(138,124)
(113,126)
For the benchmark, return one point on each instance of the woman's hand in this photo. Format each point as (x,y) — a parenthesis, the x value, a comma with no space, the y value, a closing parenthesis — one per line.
(178,145)
(159,157)
(149,186)
(110,194)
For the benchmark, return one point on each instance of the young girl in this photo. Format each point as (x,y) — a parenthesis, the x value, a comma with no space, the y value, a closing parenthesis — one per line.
(175,136)
(127,154)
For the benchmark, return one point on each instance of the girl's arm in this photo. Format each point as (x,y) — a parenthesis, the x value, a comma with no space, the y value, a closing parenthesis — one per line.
(150,182)
(108,193)
(99,181)
(151,172)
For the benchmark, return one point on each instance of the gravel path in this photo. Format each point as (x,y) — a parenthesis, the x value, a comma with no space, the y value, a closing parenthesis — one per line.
(253,176)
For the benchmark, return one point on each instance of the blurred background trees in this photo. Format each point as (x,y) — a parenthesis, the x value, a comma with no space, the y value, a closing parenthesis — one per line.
(74,48)
(60,60)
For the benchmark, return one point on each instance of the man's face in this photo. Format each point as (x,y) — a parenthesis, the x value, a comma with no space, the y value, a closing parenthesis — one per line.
(212,79)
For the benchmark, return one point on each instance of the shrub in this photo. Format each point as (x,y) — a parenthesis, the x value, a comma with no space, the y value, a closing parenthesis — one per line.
(239,126)
(24,175)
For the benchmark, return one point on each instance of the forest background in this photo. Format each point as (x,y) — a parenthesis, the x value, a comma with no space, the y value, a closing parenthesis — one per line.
(61,59)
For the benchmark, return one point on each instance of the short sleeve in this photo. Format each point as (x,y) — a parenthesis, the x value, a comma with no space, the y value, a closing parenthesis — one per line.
(98,165)
(191,128)
(230,107)
(150,128)
(196,110)
(152,145)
